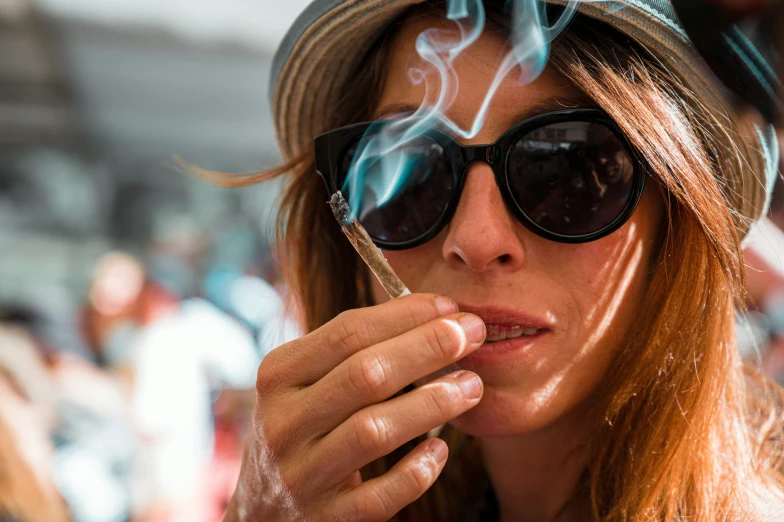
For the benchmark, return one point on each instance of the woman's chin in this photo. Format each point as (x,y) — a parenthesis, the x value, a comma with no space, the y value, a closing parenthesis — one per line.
(503,414)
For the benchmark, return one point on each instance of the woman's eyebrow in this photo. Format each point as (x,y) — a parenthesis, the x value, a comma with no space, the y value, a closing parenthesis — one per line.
(541,107)
(561,103)
(393,108)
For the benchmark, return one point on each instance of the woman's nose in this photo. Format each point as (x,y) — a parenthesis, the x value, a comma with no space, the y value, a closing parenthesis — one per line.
(481,235)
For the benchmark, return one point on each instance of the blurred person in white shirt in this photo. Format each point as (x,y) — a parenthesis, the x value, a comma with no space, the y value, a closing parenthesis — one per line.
(179,363)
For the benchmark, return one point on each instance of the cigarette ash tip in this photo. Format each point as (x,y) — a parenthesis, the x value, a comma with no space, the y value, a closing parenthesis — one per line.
(341,209)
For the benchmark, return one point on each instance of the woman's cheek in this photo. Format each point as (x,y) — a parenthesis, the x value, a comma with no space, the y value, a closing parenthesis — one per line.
(419,268)
(613,273)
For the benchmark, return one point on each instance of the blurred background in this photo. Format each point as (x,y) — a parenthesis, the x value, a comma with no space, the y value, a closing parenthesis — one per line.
(135,301)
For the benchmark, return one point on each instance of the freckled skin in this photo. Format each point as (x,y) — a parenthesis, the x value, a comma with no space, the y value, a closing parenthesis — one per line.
(590,292)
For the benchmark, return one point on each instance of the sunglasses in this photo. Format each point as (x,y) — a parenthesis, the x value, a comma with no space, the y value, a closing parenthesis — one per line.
(568,176)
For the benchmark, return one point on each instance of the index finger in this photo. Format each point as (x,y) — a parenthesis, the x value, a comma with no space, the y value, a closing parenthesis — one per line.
(316,354)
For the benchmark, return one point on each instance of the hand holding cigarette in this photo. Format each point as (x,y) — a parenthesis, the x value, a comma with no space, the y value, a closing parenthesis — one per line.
(326,407)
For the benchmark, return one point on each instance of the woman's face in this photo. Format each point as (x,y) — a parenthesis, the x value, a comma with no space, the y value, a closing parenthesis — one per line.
(583,298)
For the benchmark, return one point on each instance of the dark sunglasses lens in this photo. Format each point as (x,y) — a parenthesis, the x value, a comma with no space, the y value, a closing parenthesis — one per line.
(572,178)
(404,193)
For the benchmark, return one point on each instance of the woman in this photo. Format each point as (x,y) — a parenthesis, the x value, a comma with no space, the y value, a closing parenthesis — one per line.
(581,356)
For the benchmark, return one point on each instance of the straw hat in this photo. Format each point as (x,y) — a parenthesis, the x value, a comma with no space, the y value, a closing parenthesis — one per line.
(317,56)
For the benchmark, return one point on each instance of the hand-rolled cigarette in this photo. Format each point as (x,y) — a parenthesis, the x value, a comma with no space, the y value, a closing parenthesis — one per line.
(364,246)
(372,256)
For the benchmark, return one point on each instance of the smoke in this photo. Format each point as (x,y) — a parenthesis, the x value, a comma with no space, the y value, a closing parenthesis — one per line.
(383,163)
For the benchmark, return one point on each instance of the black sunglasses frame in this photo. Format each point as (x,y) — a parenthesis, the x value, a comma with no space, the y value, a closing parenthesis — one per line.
(331,147)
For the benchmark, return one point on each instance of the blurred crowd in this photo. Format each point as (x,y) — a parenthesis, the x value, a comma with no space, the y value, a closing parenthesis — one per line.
(135,303)
(135,408)
(761,328)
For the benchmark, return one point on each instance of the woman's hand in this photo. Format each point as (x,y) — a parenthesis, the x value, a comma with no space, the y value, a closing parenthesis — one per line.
(322,413)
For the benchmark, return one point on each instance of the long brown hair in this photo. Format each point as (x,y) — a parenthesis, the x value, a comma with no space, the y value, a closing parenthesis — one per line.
(687,430)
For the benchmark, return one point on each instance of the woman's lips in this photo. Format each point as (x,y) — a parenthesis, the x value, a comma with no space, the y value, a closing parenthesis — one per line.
(506,320)
(501,351)
(508,331)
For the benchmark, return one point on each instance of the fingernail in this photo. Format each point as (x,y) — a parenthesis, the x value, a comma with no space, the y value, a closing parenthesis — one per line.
(471,385)
(438,449)
(473,327)
(445,305)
